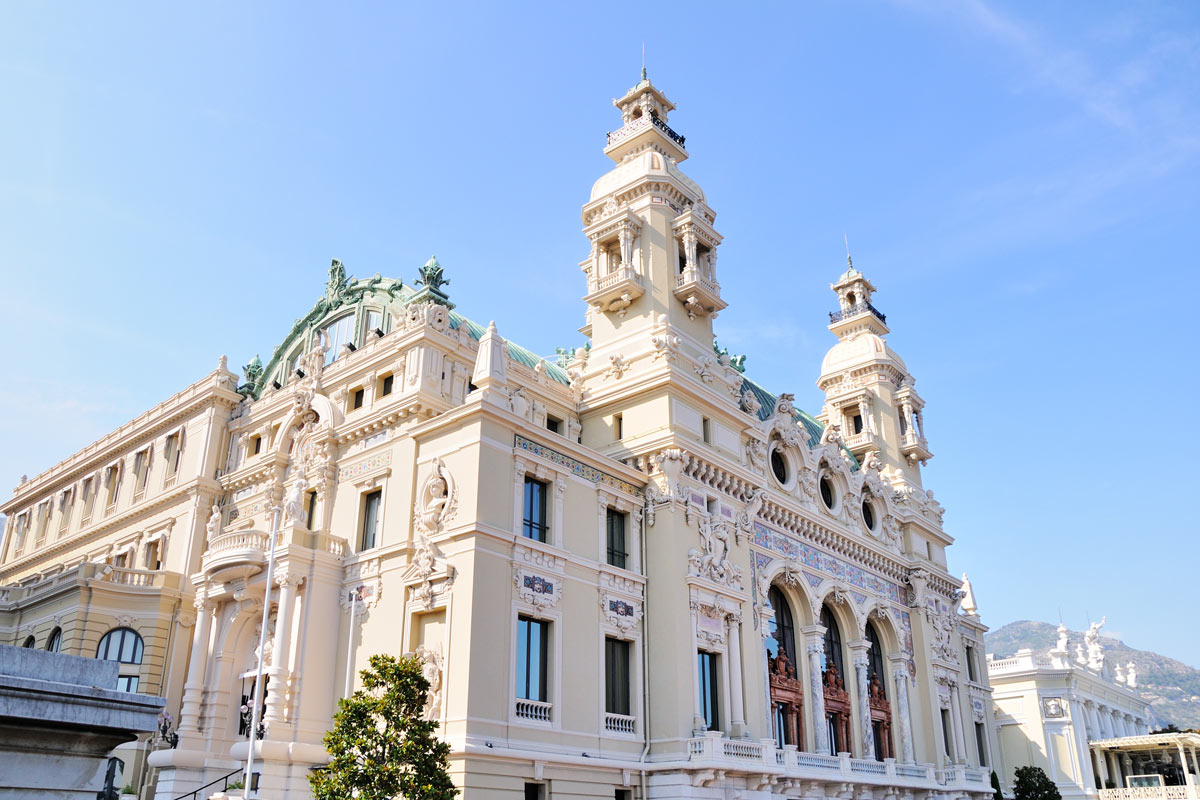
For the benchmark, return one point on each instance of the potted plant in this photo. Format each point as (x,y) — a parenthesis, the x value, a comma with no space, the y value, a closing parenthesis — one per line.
(129,792)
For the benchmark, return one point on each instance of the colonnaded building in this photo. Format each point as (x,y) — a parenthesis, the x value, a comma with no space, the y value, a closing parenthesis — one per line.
(630,570)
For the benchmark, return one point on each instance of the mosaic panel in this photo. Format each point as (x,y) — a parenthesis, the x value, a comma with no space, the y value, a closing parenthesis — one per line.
(574,466)
(811,557)
(366,465)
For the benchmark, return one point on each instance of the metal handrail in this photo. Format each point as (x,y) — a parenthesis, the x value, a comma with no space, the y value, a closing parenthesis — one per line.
(854,311)
(225,778)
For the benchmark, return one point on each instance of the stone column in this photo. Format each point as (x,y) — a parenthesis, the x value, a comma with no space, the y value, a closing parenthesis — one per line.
(737,712)
(900,675)
(1079,722)
(193,691)
(698,723)
(960,753)
(1106,729)
(1183,762)
(1101,767)
(814,641)
(280,670)
(1093,721)
(858,654)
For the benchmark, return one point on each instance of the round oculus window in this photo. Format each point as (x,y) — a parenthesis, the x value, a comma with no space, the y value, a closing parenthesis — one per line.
(779,466)
(868,515)
(826,488)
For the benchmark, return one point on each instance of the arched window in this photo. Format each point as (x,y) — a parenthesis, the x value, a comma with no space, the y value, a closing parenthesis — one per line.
(29,642)
(832,657)
(120,644)
(875,657)
(340,332)
(782,630)
(54,643)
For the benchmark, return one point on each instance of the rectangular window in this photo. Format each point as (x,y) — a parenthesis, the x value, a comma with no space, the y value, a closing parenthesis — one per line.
(946,734)
(534,526)
(370,524)
(616,676)
(65,504)
(971,673)
(857,423)
(707,667)
(153,557)
(127,683)
(141,471)
(535,791)
(981,743)
(114,485)
(618,554)
(89,497)
(553,425)
(257,445)
(312,509)
(533,640)
(618,427)
(623,794)
(173,453)
(359,395)
(710,506)
(385,387)
(374,323)
(706,430)
(43,517)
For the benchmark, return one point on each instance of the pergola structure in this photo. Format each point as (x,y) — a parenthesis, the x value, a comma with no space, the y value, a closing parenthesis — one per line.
(1156,765)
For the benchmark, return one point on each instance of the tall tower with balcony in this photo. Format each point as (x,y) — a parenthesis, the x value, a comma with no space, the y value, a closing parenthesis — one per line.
(869,392)
(653,248)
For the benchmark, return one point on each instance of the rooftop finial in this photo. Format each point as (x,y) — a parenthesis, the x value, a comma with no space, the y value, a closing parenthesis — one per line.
(849,263)
(644,60)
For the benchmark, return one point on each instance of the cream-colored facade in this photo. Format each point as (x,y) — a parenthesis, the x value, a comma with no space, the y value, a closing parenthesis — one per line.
(1051,709)
(630,570)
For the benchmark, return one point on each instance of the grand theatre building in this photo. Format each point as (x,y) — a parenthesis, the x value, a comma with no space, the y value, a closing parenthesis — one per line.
(630,570)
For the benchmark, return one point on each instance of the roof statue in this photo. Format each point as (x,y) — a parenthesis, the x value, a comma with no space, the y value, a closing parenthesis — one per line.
(432,279)
(968,597)
(337,279)
(1061,645)
(253,374)
(1094,650)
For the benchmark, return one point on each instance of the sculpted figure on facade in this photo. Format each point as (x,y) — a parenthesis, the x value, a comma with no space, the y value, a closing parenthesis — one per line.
(295,507)
(1095,652)
(756,454)
(749,403)
(711,559)
(431,670)
(968,604)
(214,522)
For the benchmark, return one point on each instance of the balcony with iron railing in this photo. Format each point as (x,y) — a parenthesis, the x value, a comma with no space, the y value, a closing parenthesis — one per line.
(642,124)
(856,310)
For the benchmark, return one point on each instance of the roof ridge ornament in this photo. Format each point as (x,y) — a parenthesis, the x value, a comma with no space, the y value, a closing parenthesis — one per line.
(431,277)
(337,279)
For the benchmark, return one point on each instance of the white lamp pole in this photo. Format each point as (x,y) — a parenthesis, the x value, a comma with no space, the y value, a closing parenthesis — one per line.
(256,708)
(355,596)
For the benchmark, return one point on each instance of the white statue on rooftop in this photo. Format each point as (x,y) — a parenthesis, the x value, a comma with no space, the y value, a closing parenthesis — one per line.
(968,597)
(1094,650)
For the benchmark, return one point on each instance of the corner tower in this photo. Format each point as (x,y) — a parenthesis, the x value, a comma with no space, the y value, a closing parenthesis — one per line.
(868,390)
(653,254)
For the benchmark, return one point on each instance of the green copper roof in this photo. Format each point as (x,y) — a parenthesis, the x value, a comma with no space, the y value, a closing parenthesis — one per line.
(515,351)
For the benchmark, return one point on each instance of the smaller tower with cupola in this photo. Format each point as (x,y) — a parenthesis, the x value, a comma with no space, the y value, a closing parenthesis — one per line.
(869,392)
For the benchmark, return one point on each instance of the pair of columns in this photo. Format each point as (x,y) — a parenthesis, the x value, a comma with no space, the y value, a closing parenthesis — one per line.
(279,670)
(815,648)
(956,727)
(733,640)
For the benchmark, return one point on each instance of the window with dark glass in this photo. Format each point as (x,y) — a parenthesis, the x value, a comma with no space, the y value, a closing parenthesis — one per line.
(618,554)
(386,388)
(832,655)
(981,744)
(857,423)
(359,395)
(971,674)
(30,643)
(257,445)
(868,513)
(616,676)
(946,742)
(120,644)
(533,639)
(535,791)
(874,655)
(370,523)
(534,524)
(54,643)
(311,509)
(553,424)
(706,430)
(782,628)
(706,663)
(618,425)
(779,466)
(826,488)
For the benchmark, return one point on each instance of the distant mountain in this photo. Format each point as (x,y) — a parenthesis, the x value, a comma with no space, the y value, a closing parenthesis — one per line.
(1172,687)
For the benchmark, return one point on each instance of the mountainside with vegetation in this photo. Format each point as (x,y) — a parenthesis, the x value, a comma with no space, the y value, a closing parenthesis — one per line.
(1172,687)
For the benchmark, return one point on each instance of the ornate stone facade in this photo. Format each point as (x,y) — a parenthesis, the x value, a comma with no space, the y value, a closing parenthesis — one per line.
(627,568)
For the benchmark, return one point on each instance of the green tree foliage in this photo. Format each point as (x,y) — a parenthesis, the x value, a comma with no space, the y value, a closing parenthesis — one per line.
(997,792)
(380,743)
(1032,784)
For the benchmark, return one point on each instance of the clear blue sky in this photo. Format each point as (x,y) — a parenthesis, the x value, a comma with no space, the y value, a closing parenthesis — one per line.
(1019,180)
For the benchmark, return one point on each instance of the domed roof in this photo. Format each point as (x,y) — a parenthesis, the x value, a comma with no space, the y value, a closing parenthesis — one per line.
(863,349)
(648,163)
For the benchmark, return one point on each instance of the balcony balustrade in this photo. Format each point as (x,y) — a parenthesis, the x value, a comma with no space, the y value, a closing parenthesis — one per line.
(699,293)
(856,310)
(620,723)
(535,710)
(616,290)
(236,553)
